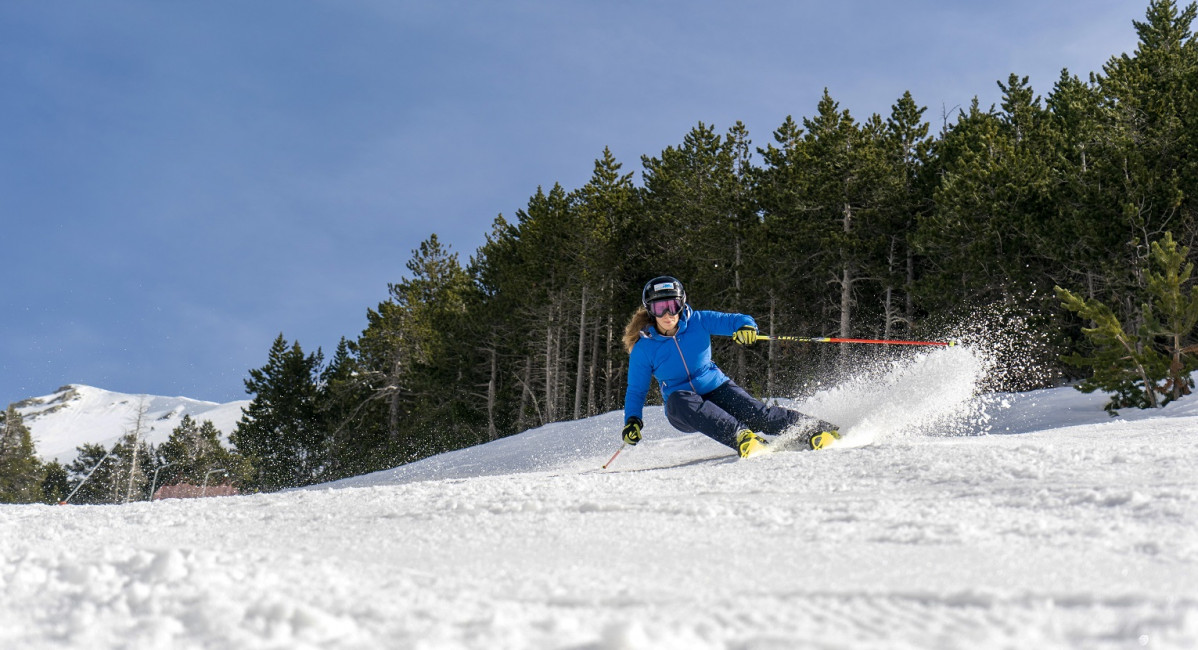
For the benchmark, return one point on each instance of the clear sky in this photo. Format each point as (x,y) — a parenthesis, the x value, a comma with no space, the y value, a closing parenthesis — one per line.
(180,182)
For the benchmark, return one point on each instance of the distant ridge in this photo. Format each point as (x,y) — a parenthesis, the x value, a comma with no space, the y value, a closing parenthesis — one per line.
(75,415)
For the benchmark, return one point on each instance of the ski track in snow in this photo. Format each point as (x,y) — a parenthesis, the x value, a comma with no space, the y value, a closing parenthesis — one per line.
(1075,530)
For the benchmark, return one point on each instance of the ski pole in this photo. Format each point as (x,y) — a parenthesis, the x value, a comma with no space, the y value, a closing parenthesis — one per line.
(89,475)
(825,339)
(613,456)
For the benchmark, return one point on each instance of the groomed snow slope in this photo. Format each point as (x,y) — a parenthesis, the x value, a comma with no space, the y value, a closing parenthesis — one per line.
(1075,530)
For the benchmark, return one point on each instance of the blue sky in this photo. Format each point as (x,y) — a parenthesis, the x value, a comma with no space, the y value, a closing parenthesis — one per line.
(182,181)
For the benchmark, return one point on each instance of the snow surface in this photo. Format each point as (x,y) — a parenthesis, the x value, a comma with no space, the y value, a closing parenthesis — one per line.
(1061,528)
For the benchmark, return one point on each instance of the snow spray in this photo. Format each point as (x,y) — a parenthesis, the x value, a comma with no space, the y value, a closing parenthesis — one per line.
(938,392)
(931,393)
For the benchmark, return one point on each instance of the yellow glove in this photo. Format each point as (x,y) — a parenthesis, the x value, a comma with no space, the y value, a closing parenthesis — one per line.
(745,335)
(632,430)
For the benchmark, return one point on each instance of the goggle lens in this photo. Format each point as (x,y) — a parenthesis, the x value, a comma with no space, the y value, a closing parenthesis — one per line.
(670,306)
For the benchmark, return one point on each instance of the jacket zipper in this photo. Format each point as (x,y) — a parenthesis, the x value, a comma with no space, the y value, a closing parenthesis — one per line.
(684,366)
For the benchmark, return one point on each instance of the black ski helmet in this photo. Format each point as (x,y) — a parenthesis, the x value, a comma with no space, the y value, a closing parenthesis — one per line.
(663,286)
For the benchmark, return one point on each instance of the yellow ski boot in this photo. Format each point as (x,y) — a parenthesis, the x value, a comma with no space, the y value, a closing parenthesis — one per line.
(750,444)
(824,438)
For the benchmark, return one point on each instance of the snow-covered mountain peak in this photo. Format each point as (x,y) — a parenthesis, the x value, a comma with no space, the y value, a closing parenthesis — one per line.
(76,414)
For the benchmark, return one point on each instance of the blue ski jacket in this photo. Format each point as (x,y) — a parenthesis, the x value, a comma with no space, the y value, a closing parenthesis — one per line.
(679,362)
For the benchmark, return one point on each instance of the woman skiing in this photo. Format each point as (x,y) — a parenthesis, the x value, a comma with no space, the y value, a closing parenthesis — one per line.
(668,340)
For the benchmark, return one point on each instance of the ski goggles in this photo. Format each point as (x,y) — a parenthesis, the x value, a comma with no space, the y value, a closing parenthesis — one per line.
(671,306)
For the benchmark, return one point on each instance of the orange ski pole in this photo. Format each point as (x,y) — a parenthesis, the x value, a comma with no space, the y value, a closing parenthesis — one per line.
(613,456)
(825,339)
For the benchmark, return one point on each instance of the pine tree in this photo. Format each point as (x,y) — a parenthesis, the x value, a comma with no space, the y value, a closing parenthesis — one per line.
(137,470)
(1172,313)
(55,484)
(600,211)
(131,461)
(908,189)
(774,200)
(1128,169)
(414,358)
(280,431)
(493,270)
(194,450)
(92,476)
(986,238)
(1122,362)
(788,246)
(603,208)
(1134,365)
(1146,164)
(1154,94)
(698,215)
(21,473)
(550,247)
(343,405)
(1082,237)
(532,276)
(840,179)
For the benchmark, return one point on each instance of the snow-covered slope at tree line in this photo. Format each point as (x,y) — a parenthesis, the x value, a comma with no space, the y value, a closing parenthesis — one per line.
(1061,528)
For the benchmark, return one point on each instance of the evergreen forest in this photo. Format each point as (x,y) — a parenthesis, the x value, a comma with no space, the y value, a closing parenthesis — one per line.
(1069,214)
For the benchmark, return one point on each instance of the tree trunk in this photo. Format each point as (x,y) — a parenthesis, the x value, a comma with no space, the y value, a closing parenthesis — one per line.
(769,373)
(394,380)
(558,371)
(582,340)
(1177,376)
(846,301)
(492,388)
(846,288)
(593,373)
(142,409)
(740,349)
(609,376)
(890,314)
(547,416)
(910,306)
(525,394)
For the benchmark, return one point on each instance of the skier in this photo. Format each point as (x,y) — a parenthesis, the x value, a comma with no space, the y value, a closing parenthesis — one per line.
(668,340)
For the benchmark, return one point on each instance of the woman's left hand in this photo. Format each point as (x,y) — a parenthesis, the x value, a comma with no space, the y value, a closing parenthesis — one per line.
(745,335)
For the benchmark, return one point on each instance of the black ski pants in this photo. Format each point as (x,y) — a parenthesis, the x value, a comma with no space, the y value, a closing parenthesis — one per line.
(728,409)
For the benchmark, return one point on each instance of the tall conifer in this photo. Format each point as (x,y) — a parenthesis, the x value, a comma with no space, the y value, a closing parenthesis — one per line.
(193,450)
(21,472)
(281,431)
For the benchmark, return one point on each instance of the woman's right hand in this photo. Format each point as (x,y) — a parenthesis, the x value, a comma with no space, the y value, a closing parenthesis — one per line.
(632,430)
